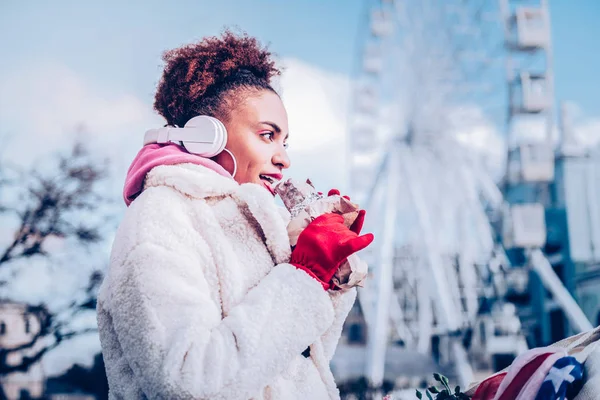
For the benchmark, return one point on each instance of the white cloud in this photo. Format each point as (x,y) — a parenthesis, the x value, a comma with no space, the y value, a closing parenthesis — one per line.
(584,130)
(588,132)
(45,107)
(531,129)
(476,132)
(317,103)
(42,109)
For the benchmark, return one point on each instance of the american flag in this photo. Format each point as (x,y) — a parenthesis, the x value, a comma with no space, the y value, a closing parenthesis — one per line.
(563,376)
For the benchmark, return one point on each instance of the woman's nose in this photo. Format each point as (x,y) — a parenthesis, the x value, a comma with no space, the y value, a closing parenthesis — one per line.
(281,158)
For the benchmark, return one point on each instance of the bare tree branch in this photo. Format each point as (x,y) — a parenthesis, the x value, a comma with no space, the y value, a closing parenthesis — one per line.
(28,361)
(52,200)
(53,204)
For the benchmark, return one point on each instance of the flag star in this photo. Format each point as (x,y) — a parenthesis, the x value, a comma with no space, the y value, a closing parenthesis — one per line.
(558,376)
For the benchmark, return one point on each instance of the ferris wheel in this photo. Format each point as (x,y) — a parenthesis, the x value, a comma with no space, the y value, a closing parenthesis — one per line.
(420,64)
(438,266)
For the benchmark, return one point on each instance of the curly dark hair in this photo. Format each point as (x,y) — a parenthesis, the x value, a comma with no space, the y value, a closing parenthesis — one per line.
(205,78)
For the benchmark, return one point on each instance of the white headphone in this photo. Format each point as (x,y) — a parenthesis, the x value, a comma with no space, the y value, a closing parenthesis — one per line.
(202,135)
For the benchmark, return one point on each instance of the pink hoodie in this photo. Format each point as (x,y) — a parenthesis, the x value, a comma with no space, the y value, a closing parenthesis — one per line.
(153,155)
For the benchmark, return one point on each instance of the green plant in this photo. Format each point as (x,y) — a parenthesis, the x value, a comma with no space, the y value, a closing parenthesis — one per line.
(445,393)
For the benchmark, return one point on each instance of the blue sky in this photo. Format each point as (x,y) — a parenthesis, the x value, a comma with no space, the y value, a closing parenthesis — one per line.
(575,31)
(106,57)
(118,44)
(115,47)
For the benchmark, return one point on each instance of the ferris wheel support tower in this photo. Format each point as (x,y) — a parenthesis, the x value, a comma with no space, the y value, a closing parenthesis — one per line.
(531,143)
(530,86)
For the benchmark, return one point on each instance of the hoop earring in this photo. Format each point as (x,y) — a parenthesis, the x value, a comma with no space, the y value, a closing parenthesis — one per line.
(234,162)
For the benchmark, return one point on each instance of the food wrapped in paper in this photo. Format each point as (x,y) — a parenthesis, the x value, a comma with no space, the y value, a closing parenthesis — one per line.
(305,204)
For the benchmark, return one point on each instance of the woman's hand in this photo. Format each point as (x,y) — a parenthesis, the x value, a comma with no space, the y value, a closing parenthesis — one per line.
(360,219)
(324,245)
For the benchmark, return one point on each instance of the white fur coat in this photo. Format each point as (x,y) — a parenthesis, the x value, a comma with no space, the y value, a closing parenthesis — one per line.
(200,303)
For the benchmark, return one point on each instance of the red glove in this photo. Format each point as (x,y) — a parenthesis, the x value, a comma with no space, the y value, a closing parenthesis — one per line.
(324,245)
(360,219)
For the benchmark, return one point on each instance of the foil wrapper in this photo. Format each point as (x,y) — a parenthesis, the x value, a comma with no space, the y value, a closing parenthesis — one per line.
(305,204)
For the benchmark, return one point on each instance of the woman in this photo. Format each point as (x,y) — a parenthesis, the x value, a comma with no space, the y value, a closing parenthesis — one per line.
(203,298)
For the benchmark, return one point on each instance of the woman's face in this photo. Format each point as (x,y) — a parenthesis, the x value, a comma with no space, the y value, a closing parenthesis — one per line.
(257,136)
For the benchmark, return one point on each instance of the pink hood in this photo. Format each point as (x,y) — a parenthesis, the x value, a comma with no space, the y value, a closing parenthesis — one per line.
(153,155)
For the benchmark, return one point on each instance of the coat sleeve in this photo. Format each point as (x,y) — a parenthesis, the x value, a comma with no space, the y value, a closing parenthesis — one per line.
(342,304)
(180,346)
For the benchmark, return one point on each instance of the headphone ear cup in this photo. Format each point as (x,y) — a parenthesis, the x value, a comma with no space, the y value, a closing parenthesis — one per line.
(211,138)
(202,135)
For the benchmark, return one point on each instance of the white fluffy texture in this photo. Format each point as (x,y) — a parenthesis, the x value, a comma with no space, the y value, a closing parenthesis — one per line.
(591,387)
(199,301)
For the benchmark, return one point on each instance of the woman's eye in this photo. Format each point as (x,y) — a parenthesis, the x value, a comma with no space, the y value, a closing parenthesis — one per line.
(268,135)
